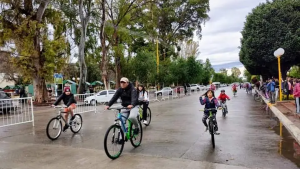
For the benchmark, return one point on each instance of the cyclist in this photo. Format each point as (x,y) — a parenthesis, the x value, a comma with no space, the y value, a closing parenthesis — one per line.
(234,88)
(143,100)
(68,98)
(210,102)
(128,94)
(222,97)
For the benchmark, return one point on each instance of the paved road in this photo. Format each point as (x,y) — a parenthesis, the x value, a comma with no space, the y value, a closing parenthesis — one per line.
(175,140)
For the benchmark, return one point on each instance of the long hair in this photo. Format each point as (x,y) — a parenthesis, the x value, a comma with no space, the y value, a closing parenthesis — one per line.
(213,93)
(143,89)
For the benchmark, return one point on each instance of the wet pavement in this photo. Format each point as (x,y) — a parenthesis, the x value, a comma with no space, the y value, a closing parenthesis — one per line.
(175,139)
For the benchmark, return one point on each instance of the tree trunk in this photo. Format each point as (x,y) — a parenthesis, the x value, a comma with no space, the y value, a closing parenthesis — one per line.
(40,90)
(83,69)
(117,58)
(104,61)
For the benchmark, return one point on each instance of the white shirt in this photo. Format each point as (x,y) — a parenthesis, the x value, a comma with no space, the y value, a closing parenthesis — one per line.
(145,97)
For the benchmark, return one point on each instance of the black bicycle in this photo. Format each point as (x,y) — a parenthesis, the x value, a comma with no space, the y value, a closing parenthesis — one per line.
(54,127)
(148,115)
(211,125)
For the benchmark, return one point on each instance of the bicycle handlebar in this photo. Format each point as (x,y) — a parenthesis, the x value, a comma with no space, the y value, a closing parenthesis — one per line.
(117,108)
(211,109)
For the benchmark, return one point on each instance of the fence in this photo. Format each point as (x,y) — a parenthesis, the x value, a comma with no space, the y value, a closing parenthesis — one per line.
(86,103)
(16,111)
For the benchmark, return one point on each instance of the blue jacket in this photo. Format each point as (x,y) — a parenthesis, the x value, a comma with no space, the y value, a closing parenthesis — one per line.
(271,86)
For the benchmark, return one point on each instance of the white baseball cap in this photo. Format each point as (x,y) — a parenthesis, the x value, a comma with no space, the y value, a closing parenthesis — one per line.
(124,79)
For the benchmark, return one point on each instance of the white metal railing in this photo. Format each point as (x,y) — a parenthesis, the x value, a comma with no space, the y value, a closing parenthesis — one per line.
(153,97)
(16,111)
(165,94)
(85,103)
(175,93)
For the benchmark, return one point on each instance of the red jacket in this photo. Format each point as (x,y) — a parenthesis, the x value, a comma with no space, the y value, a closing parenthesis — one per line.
(223,97)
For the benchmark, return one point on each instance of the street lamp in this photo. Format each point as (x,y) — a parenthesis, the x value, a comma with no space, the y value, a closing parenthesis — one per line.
(77,79)
(278,53)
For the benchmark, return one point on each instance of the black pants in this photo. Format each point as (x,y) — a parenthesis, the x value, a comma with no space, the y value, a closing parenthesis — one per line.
(145,107)
(205,117)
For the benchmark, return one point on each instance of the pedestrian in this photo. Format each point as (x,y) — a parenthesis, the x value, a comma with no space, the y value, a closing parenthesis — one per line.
(287,86)
(91,89)
(297,96)
(276,88)
(271,89)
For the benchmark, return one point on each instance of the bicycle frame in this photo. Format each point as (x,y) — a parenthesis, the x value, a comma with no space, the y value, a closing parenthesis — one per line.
(120,118)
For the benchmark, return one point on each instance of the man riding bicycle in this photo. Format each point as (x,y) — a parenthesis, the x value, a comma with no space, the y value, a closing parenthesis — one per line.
(129,98)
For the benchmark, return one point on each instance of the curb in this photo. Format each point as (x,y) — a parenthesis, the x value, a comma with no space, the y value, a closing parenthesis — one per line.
(290,126)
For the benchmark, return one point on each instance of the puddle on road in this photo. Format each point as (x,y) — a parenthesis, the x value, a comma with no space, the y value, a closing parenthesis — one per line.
(287,146)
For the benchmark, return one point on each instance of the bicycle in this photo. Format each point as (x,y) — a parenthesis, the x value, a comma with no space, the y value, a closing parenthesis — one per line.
(224,108)
(58,124)
(234,92)
(119,129)
(148,115)
(257,96)
(211,125)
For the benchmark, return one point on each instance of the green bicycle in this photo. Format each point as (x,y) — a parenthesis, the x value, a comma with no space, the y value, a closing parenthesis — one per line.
(148,115)
(117,139)
(211,125)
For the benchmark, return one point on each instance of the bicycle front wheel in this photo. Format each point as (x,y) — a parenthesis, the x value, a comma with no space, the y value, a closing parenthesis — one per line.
(212,132)
(136,139)
(114,139)
(76,123)
(148,117)
(54,128)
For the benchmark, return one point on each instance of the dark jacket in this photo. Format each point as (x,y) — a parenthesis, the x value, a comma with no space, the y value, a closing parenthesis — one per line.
(67,99)
(128,96)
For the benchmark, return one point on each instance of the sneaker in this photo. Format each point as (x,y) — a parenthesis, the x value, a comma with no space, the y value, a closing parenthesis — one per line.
(136,131)
(206,129)
(145,122)
(65,127)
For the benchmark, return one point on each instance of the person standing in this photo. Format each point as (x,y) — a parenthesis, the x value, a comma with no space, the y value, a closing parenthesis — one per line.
(276,88)
(297,96)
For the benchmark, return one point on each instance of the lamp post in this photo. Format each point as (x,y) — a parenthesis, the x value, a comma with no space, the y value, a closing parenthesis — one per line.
(77,79)
(278,53)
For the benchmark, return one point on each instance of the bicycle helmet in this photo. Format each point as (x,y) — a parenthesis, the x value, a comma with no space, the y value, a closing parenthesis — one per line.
(223,90)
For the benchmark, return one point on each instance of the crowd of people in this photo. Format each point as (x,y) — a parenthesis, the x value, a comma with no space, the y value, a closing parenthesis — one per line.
(289,86)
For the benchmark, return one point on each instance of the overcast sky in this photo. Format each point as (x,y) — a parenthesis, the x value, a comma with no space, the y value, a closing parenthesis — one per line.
(221,34)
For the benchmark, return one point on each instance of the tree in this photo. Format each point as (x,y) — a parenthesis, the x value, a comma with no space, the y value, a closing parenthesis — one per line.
(247,75)
(38,50)
(223,71)
(235,72)
(208,72)
(280,20)
(295,72)
(188,48)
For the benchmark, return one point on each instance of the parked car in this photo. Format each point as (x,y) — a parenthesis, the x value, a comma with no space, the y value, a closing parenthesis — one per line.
(195,87)
(202,87)
(103,96)
(164,90)
(5,105)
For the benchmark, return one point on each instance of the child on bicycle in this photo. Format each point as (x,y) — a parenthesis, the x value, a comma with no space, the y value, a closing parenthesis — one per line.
(222,97)
(208,99)
(143,100)
(68,98)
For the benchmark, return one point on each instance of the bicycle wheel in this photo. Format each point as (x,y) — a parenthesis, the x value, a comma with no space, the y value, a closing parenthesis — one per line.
(76,123)
(148,117)
(117,140)
(224,111)
(212,132)
(56,126)
(136,139)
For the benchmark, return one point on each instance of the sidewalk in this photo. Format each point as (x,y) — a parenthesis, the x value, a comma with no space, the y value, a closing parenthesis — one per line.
(288,108)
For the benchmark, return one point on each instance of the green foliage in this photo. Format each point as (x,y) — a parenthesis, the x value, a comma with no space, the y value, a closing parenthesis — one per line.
(222,78)
(295,72)
(269,26)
